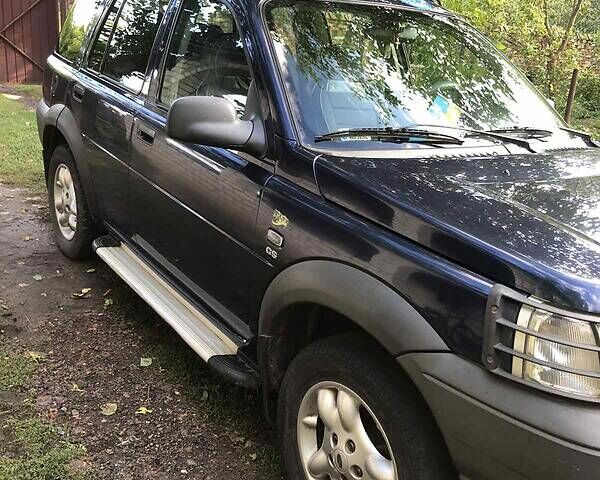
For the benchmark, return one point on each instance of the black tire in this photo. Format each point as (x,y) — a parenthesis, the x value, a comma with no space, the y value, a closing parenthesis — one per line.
(80,246)
(360,364)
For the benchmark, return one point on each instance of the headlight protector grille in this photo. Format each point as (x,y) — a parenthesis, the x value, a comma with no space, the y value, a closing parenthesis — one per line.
(542,346)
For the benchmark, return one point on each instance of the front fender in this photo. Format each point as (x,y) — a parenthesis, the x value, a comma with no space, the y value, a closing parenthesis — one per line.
(69,128)
(368,302)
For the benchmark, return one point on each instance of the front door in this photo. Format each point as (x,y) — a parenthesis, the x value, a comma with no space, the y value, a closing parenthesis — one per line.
(194,207)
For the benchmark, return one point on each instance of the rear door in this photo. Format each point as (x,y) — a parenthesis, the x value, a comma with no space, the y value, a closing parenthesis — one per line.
(106,94)
(194,207)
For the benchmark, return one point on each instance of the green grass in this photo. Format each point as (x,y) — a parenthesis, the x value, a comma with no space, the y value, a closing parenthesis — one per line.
(31,448)
(36,450)
(14,369)
(20,148)
(34,91)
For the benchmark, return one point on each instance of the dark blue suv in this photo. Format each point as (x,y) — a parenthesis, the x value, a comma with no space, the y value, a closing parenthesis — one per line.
(360,208)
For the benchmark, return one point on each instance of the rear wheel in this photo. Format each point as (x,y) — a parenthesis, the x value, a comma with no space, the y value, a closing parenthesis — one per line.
(71,219)
(346,412)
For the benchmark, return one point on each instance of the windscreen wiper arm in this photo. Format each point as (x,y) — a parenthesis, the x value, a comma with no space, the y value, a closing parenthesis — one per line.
(520,142)
(585,136)
(396,135)
(531,132)
(484,133)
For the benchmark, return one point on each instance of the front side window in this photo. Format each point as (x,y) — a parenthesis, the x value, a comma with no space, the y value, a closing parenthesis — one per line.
(350,66)
(206,56)
(80,19)
(125,41)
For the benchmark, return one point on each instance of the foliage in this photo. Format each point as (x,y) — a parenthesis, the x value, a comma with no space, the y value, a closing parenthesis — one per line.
(547,39)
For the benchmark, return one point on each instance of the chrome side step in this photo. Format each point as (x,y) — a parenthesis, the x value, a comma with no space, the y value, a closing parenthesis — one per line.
(193,325)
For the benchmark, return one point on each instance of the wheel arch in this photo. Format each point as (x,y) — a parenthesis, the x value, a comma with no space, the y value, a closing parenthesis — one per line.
(364,302)
(61,128)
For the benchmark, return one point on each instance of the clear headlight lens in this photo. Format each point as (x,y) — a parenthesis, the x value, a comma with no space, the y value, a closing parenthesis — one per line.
(562,329)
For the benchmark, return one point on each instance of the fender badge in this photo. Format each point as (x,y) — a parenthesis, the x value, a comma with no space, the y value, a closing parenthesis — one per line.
(279,219)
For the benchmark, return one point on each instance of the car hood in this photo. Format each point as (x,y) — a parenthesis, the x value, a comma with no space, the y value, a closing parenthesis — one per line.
(527,221)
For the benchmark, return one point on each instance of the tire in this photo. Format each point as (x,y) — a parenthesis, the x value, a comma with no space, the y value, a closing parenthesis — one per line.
(75,238)
(358,366)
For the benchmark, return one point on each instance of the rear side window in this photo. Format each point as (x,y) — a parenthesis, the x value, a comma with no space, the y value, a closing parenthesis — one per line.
(79,21)
(206,56)
(125,41)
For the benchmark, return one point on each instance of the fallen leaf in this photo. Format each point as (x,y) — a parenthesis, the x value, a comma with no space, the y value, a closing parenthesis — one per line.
(145,362)
(108,409)
(35,356)
(38,277)
(84,292)
(23,285)
(90,270)
(143,411)
(75,388)
(27,238)
(204,396)
(108,302)
(253,456)
(44,294)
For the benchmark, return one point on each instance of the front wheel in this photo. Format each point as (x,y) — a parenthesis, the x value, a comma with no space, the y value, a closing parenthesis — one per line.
(71,219)
(347,412)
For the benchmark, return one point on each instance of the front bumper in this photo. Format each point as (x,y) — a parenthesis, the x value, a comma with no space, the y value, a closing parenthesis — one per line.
(499,430)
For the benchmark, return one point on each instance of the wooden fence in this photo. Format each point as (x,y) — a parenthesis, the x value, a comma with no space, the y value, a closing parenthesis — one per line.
(28,33)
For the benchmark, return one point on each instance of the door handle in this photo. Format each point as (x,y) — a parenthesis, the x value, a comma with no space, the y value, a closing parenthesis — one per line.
(78,93)
(146,134)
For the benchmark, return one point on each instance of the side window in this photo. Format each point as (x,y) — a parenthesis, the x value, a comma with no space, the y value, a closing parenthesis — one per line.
(80,19)
(206,56)
(130,35)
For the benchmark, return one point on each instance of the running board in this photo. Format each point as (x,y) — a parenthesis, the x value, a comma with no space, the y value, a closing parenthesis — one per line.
(193,325)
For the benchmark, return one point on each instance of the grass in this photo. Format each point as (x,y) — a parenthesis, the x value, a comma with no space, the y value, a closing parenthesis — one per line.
(41,453)
(20,148)
(31,448)
(34,91)
(14,369)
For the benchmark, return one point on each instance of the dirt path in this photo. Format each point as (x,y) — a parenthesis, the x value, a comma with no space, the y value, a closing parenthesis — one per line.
(194,425)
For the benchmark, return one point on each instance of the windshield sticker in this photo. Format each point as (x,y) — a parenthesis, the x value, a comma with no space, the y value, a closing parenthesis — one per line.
(447,110)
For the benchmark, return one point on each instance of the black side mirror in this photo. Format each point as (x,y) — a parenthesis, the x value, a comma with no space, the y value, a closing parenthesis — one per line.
(214,121)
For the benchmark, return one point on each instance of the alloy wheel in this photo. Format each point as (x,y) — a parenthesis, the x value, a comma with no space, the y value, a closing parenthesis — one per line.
(65,202)
(340,438)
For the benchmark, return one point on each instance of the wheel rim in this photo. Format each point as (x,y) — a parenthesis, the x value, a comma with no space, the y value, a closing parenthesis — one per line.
(65,202)
(340,438)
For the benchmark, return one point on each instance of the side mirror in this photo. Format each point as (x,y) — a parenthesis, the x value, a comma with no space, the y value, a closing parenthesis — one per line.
(214,121)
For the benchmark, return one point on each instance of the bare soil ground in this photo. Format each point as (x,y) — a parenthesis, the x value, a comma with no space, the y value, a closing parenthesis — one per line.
(174,418)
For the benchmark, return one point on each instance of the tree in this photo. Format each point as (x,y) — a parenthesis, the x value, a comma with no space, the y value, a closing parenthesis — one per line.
(538,34)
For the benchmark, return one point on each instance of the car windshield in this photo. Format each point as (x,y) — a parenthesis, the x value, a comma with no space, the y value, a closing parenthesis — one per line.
(350,66)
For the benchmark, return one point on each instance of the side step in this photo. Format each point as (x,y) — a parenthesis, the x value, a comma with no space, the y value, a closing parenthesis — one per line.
(193,325)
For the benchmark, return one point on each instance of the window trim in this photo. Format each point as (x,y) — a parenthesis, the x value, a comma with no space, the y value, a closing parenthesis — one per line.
(161,77)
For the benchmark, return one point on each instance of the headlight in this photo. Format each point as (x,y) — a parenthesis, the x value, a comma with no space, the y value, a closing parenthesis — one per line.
(555,354)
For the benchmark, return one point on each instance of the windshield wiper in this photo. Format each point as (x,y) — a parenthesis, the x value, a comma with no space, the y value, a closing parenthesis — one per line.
(585,136)
(394,135)
(484,133)
(531,132)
